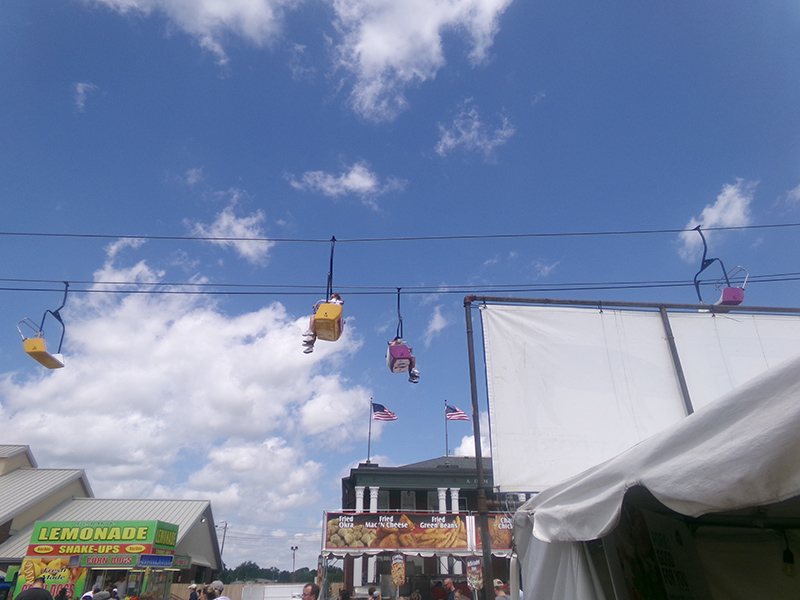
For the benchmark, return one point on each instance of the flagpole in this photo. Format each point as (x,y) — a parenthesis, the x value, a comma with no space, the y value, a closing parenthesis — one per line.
(446,441)
(369,437)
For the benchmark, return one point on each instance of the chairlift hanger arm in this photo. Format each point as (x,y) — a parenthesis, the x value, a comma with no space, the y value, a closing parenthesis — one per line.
(705,263)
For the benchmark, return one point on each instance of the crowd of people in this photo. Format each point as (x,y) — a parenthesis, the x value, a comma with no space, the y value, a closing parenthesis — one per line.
(441,590)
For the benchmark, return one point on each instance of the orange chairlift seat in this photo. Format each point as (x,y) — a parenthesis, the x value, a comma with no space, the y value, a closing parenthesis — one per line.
(36,346)
(328,321)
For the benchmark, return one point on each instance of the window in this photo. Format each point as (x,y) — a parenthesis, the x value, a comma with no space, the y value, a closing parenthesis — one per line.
(408,501)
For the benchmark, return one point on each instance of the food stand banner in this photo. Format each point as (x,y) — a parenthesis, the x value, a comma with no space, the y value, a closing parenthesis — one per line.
(475,573)
(398,569)
(103,561)
(424,531)
(500,528)
(58,538)
(56,572)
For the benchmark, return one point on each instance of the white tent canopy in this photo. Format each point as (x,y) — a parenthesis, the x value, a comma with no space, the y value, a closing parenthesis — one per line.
(569,387)
(740,451)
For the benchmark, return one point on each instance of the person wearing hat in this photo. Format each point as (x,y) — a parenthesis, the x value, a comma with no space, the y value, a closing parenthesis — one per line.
(500,590)
(192,591)
(219,586)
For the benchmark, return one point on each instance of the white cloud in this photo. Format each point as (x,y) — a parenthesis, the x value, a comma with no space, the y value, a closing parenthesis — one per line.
(166,396)
(436,324)
(194,176)
(732,209)
(357,180)
(80,92)
(299,64)
(208,21)
(543,269)
(114,248)
(467,445)
(227,225)
(470,133)
(388,45)
(792,197)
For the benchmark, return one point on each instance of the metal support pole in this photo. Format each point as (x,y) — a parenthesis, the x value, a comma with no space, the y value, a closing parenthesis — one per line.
(294,549)
(676,361)
(483,506)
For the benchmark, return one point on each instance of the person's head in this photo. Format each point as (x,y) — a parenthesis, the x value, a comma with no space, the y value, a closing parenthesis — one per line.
(192,587)
(448,584)
(344,595)
(38,582)
(218,585)
(376,594)
(499,588)
(457,594)
(336,297)
(370,590)
(311,591)
(209,592)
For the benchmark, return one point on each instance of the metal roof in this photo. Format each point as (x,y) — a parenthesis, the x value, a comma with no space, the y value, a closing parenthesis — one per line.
(9,450)
(24,487)
(450,462)
(196,533)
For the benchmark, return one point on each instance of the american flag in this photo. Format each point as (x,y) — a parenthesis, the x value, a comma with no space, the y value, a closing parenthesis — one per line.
(381,413)
(451,413)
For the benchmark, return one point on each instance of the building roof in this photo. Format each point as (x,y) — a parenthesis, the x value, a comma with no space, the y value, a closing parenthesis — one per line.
(445,471)
(23,488)
(197,535)
(450,462)
(8,451)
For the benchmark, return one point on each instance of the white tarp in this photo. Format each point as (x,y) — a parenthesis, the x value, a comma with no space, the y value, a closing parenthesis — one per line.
(571,387)
(740,451)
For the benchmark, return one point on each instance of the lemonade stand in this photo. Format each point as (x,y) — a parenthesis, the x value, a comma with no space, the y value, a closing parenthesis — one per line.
(134,556)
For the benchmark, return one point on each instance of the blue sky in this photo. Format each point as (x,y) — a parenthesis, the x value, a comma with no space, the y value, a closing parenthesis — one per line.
(295,121)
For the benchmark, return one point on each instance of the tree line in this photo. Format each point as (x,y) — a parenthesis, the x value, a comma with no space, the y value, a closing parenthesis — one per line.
(250,571)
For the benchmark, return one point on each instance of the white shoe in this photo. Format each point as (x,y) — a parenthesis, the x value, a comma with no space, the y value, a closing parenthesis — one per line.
(309,333)
(308,349)
(413,376)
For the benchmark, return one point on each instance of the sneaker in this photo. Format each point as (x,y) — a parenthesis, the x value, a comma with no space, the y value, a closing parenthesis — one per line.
(413,378)
(309,337)
(308,333)
(308,349)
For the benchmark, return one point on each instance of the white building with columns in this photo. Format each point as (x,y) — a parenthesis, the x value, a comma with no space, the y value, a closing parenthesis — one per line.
(442,485)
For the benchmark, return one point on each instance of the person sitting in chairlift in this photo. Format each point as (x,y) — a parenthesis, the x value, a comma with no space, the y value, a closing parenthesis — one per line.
(310,335)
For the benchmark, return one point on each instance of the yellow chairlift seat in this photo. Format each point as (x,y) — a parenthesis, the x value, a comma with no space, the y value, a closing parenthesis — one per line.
(328,322)
(37,349)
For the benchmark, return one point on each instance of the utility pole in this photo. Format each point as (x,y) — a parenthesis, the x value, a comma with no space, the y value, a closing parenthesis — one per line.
(224,533)
(294,549)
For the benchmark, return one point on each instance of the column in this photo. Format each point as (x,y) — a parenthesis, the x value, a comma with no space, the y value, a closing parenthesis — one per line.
(442,500)
(444,567)
(454,500)
(373,508)
(358,563)
(373,499)
(457,566)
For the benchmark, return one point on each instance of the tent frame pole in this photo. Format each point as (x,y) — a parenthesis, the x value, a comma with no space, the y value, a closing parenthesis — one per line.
(483,505)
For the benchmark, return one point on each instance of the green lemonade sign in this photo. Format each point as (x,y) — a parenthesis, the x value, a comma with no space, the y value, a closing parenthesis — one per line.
(58,538)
